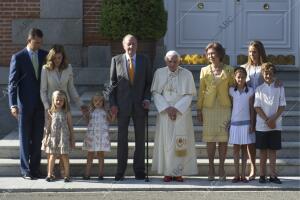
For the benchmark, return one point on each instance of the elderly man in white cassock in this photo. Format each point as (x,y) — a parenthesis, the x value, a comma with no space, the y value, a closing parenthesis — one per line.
(173,89)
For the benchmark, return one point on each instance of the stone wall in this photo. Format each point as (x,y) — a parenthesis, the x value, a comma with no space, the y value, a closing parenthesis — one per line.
(73,23)
(9,11)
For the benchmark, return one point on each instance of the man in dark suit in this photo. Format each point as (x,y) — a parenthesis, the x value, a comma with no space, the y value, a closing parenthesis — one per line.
(25,102)
(130,78)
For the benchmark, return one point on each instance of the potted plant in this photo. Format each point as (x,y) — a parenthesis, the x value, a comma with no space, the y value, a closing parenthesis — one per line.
(147,20)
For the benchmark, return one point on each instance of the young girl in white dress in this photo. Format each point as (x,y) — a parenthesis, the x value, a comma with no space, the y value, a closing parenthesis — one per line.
(242,123)
(96,140)
(60,138)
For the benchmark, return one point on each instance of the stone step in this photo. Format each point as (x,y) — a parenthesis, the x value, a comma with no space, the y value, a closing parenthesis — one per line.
(10,167)
(290,86)
(284,73)
(10,150)
(193,187)
(290,118)
(293,103)
(289,133)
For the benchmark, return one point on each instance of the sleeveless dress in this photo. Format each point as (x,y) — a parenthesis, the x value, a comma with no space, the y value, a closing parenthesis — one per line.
(58,142)
(97,138)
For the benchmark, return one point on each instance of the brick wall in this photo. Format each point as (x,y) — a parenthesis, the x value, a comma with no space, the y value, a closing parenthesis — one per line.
(91,14)
(30,9)
(9,10)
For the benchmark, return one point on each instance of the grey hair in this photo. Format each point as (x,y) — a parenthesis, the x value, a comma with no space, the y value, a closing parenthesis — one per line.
(171,54)
(128,36)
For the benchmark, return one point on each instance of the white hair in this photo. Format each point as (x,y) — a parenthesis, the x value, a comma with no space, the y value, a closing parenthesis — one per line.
(171,54)
(128,36)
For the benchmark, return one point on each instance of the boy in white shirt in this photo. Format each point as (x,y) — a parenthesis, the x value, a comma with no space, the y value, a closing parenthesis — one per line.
(269,105)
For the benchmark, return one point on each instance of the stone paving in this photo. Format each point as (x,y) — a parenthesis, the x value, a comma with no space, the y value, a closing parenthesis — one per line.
(18,184)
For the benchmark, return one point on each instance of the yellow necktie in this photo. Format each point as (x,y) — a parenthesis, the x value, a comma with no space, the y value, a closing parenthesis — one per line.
(131,71)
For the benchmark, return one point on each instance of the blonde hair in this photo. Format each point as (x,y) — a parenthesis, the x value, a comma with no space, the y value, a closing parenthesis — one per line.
(267,67)
(60,93)
(258,45)
(92,107)
(50,57)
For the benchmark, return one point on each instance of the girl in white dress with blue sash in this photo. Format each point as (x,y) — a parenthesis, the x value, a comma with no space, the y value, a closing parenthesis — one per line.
(242,121)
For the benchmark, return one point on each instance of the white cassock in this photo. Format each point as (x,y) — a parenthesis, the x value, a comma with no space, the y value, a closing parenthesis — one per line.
(173,89)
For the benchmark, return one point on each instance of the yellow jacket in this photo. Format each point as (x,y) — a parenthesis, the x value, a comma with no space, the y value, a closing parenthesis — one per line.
(210,91)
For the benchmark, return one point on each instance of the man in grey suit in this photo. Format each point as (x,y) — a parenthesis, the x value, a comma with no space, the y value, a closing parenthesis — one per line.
(130,78)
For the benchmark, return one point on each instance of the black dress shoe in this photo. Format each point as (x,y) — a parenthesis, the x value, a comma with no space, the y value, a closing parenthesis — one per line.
(37,176)
(262,179)
(50,178)
(119,177)
(140,176)
(28,176)
(275,180)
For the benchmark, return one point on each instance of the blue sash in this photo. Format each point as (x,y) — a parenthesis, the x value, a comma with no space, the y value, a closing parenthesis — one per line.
(240,123)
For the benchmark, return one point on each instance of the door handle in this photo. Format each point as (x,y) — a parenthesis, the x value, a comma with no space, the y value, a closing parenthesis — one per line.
(266,6)
(200,6)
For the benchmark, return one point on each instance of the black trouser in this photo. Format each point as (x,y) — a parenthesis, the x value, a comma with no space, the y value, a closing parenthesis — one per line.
(31,126)
(139,153)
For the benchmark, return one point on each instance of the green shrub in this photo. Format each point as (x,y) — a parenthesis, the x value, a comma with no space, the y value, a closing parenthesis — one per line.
(146,19)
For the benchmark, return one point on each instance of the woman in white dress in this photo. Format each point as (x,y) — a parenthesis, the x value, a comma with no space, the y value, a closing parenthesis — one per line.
(256,57)
(173,88)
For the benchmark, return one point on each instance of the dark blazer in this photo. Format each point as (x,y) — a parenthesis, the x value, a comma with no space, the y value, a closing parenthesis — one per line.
(23,82)
(126,96)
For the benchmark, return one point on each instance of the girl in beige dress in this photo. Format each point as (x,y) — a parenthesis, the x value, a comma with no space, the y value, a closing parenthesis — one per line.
(60,137)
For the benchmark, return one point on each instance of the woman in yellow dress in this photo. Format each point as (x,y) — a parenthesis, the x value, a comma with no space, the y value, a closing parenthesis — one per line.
(214,106)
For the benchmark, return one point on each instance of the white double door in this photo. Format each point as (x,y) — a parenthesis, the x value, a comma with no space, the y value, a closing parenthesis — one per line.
(192,24)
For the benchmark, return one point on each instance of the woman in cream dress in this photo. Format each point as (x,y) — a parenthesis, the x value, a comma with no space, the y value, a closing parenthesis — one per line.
(57,74)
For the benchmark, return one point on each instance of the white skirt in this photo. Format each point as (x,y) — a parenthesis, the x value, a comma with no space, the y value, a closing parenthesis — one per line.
(241,135)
